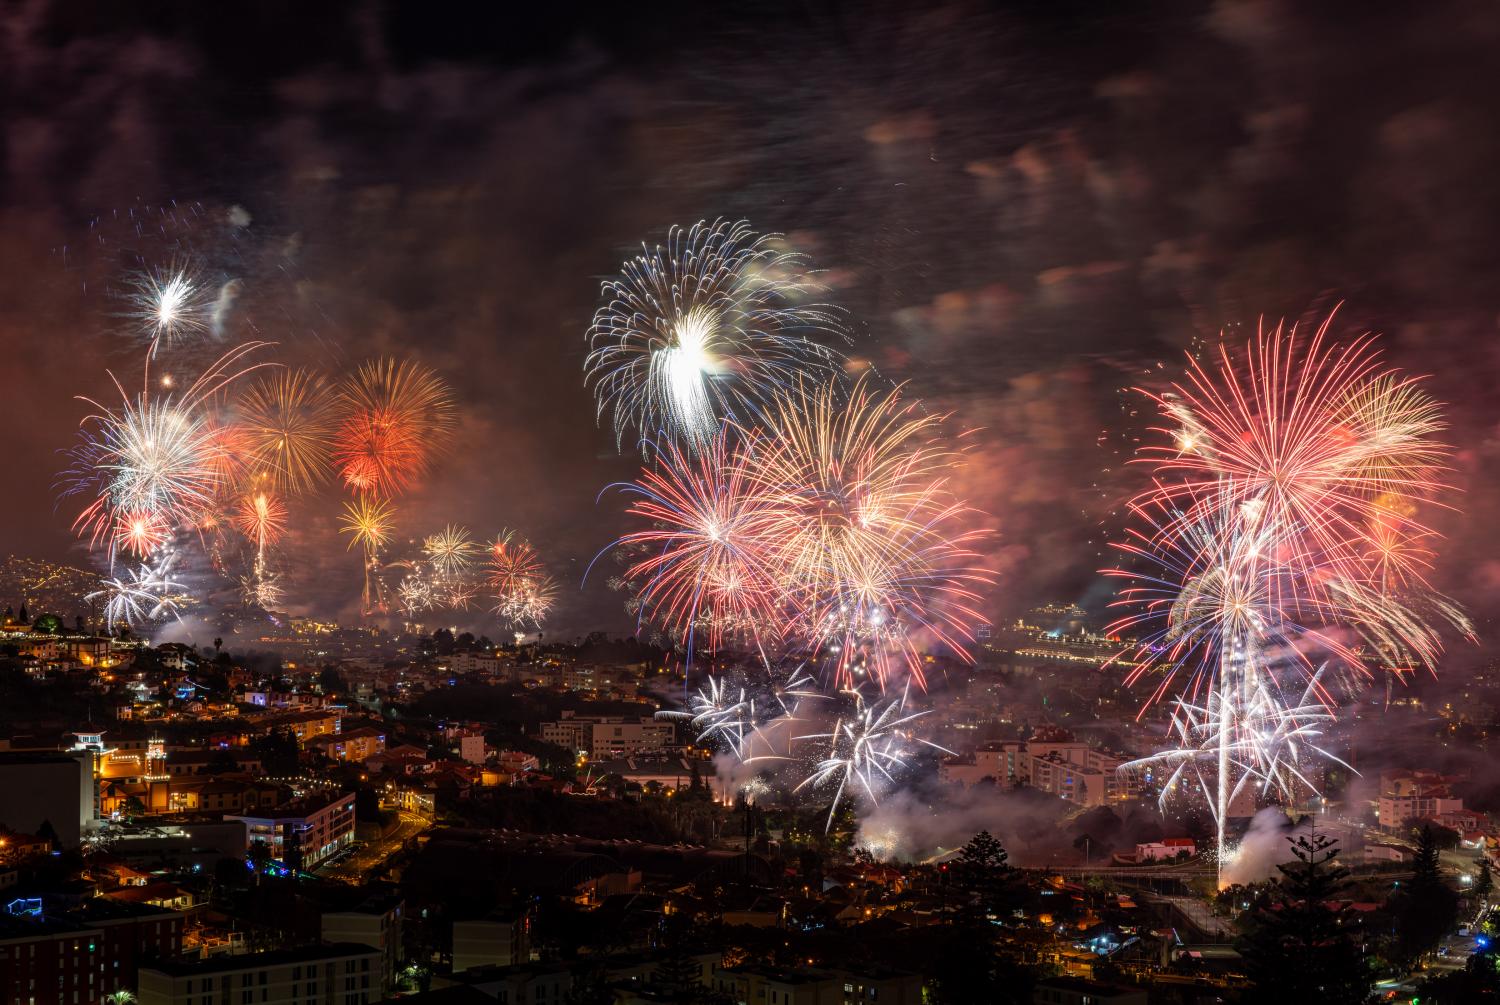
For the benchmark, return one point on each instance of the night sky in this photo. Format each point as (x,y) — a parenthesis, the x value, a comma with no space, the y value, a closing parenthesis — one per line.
(1023,210)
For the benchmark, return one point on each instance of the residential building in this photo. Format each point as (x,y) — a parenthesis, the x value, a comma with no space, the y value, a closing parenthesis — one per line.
(341,973)
(46,961)
(1053,761)
(317,825)
(358,744)
(487,664)
(375,923)
(1167,848)
(502,939)
(1415,795)
(524,984)
(471,748)
(56,788)
(305,725)
(84,955)
(766,985)
(610,736)
(879,986)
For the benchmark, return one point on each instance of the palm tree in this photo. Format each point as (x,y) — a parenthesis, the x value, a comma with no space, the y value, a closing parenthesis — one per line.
(121,997)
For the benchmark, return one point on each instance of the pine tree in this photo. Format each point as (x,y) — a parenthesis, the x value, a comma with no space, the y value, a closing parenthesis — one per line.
(983,853)
(983,870)
(1426,908)
(1301,947)
(678,974)
(1484,883)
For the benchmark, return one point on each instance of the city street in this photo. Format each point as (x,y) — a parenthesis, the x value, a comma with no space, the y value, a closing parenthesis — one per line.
(355,867)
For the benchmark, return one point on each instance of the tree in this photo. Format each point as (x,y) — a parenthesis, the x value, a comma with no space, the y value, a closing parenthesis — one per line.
(1426,908)
(259,855)
(47,833)
(983,871)
(291,851)
(1301,947)
(278,753)
(1484,883)
(330,681)
(983,853)
(678,974)
(366,804)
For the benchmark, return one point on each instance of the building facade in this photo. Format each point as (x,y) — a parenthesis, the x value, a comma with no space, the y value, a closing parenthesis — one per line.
(335,974)
(318,826)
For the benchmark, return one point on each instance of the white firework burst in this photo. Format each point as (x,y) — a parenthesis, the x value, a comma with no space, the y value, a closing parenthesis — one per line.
(865,749)
(145,593)
(705,328)
(451,551)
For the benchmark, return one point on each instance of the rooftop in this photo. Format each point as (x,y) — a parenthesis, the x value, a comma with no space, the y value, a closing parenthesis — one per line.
(255,961)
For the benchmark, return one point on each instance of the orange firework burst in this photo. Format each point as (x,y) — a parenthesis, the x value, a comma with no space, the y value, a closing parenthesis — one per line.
(512,562)
(394,415)
(261,517)
(288,420)
(140,532)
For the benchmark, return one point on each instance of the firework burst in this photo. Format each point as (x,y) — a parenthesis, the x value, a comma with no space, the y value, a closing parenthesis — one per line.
(1280,539)
(529,601)
(705,560)
(866,748)
(369,523)
(394,415)
(261,518)
(169,306)
(145,593)
(153,464)
(869,539)
(702,329)
(288,419)
(451,551)
(831,531)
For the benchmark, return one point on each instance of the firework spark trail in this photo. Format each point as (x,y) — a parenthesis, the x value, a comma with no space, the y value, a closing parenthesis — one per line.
(719,712)
(869,541)
(528,602)
(742,719)
(865,749)
(1280,540)
(369,523)
(702,329)
(1269,736)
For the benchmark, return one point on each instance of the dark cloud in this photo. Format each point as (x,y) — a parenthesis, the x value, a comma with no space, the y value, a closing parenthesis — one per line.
(1024,212)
